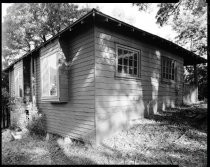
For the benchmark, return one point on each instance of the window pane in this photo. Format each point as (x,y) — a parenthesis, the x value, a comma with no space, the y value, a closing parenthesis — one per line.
(164,75)
(119,52)
(166,69)
(126,61)
(125,69)
(53,75)
(119,68)
(135,64)
(45,77)
(135,56)
(125,53)
(130,53)
(131,70)
(45,83)
(120,61)
(173,73)
(135,71)
(131,61)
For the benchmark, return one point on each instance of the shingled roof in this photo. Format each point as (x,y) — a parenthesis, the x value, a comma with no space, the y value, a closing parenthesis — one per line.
(189,57)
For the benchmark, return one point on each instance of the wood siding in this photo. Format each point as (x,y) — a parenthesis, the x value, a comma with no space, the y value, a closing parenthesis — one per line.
(11,83)
(120,100)
(75,118)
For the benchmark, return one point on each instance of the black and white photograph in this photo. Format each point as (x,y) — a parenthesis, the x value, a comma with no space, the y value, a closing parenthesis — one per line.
(104,83)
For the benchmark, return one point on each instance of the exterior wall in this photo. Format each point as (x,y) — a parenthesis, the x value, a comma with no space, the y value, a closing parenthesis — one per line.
(19,66)
(11,83)
(75,118)
(120,100)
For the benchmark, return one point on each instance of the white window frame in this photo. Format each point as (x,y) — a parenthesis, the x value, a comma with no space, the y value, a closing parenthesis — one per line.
(126,75)
(164,78)
(49,97)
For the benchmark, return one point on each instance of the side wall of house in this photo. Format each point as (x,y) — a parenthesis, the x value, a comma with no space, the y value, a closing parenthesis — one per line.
(76,118)
(120,100)
(11,83)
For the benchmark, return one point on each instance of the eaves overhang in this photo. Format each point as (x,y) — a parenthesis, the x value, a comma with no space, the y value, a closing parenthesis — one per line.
(190,58)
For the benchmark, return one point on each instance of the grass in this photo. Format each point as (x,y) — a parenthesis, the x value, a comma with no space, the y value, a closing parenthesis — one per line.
(173,137)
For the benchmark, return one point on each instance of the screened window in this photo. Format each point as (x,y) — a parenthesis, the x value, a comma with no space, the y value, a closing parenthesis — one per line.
(168,68)
(127,61)
(49,75)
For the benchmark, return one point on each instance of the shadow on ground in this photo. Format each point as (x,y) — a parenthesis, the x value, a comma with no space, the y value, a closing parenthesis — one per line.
(193,117)
(36,151)
(58,156)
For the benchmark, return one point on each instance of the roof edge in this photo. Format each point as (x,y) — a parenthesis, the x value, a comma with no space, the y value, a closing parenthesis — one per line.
(114,19)
(52,38)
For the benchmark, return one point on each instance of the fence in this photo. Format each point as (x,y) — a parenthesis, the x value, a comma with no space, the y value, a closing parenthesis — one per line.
(5,117)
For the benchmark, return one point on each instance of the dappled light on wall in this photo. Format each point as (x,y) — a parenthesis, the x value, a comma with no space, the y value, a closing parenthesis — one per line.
(155,87)
(157,53)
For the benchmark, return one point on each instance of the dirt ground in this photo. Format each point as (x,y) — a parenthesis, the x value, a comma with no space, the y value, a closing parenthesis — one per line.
(178,136)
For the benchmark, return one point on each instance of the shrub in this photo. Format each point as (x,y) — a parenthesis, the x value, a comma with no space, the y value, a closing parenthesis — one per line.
(17,112)
(37,125)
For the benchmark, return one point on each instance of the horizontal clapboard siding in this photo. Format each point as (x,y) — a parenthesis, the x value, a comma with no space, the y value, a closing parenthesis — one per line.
(11,83)
(76,118)
(122,98)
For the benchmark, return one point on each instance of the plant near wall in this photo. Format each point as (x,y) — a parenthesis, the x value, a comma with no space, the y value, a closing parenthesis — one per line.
(37,125)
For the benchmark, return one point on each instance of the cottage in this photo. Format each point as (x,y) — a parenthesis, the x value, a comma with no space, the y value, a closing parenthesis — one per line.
(100,74)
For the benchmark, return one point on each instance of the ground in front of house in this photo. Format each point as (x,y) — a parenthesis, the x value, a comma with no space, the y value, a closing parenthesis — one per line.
(177,136)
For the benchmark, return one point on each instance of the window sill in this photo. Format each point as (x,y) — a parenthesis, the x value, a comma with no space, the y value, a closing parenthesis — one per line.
(52,99)
(168,81)
(121,76)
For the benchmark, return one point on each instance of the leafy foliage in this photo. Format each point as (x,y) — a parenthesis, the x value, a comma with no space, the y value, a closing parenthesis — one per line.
(27,25)
(5,96)
(37,125)
(189,20)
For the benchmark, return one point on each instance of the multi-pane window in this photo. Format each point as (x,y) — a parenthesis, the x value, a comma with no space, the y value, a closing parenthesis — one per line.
(127,63)
(49,75)
(168,68)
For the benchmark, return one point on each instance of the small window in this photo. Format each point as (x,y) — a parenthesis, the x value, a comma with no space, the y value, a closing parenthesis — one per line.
(127,61)
(49,76)
(168,68)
